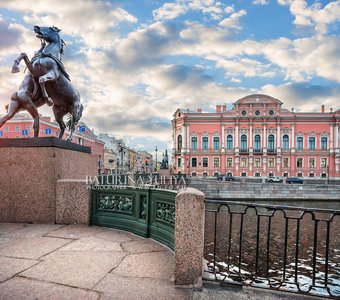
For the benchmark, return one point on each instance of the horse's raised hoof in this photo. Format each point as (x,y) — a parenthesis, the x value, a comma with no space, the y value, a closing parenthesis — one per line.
(15,69)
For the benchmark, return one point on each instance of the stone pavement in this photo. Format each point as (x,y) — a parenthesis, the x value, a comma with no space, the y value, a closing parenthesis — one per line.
(44,261)
(78,262)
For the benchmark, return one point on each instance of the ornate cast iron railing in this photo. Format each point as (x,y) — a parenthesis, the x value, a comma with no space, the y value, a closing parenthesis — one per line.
(146,212)
(269,246)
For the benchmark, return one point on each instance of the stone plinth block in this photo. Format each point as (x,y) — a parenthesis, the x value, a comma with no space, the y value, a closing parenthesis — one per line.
(189,238)
(72,202)
(29,175)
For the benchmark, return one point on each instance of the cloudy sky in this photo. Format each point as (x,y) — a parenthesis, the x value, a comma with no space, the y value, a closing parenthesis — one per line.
(135,62)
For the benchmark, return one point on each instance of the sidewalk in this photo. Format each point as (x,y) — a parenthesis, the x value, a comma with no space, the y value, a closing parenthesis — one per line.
(44,261)
(80,262)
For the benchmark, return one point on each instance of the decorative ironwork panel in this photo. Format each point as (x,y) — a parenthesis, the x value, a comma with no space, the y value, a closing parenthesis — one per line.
(165,212)
(142,209)
(116,203)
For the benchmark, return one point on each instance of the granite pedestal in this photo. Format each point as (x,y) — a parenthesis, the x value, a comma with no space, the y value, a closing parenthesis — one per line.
(29,172)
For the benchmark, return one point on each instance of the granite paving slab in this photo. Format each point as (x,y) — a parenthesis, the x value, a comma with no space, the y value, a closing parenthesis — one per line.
(75,231)
(9,266)
(93,244)
(143,245)
(19,288)
(34,230)
(75,268)
(33,248)
(129,288)
(158,265)
(10,227)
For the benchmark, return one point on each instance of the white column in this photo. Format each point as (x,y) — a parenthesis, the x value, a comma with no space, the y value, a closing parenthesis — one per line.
(331,145)
(336,135)
(264,136)
(292,138)
(251,136)
(223,138)
(188,139)
(236,136)
(278,136)
(184,138)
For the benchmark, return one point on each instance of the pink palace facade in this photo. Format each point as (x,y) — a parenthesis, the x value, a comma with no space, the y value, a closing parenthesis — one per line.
(256,138)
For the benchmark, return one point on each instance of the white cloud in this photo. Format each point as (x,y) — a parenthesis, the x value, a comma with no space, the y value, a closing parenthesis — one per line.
(261,2)
(315,15)
(234,20)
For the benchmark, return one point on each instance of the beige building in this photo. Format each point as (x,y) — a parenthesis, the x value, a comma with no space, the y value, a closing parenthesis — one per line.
(110,161)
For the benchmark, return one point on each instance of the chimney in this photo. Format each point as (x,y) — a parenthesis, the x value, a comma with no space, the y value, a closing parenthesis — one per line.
(218,108)
(199,110)
(322,108)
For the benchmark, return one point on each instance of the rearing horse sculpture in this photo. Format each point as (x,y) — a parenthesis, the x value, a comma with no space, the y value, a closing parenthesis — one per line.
(47,82)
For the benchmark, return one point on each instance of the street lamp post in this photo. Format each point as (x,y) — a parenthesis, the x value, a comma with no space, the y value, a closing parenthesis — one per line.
(156,158)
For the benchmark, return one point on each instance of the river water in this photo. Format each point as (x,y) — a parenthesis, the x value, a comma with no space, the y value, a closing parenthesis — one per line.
(291,264)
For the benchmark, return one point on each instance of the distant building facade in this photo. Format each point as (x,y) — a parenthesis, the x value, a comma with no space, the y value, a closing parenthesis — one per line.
(21,126)
(257,137)
(110,161)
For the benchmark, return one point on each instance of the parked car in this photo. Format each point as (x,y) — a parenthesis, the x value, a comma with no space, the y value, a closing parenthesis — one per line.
(226,177)
(275,179)
(294,180)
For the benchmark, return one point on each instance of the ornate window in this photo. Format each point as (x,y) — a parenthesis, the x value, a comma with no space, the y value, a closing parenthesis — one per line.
(299,143)
(257,112)
(216,162)
(271,162)
(244,142)
(243,112)
(216,144)
(271,142)
(179,162)
(324,143)
(194,162)
(230,142)
(205,143)
(257,143)
(205,162)
(271,112)
(257,162)
(179,143)
(285,162)
(244,162)
(194,143)
(285,142)
(229,162)
(299,162)
(323,162)
(311,162)
(311,143)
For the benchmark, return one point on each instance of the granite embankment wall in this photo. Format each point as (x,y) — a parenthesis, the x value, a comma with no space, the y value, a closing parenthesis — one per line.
(213,188)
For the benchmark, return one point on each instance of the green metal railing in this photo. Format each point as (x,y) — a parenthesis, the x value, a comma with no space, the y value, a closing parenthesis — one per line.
(146,212)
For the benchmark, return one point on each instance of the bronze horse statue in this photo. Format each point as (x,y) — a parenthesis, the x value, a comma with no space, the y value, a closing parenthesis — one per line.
(46,83)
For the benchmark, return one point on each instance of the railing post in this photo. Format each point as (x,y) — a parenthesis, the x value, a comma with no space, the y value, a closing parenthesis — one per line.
(189,238)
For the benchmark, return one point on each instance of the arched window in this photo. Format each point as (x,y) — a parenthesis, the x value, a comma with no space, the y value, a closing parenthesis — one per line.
(257,143)
(285,142)
(194,143)
(299,143)
(324,143)
(179,143)
(244,142)
(230,142)
(271,142)
(216,143)
(311,143)
(205,143)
